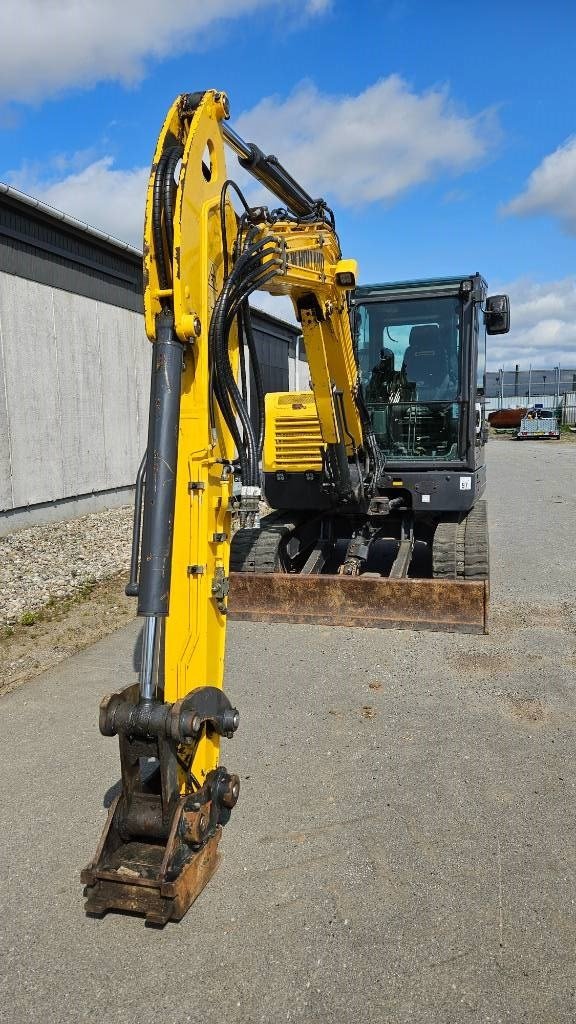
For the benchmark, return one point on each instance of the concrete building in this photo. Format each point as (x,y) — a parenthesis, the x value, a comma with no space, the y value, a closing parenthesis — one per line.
(75,364)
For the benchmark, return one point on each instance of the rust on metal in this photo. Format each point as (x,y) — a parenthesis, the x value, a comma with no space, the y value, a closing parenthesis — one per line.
(446,605)
(133,878)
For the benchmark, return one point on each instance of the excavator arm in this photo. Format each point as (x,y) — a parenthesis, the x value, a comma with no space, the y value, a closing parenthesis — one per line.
(201,473)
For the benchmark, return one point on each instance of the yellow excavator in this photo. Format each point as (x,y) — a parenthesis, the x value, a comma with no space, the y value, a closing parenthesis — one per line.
(200,480)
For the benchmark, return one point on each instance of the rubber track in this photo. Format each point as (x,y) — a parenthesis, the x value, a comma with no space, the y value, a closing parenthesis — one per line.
(258,550)
(476,543)
(460,548)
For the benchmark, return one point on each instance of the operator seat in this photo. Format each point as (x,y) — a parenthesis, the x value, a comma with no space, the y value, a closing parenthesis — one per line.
(426,363)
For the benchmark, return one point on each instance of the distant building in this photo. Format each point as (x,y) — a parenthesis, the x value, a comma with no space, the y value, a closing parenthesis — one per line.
(523,384)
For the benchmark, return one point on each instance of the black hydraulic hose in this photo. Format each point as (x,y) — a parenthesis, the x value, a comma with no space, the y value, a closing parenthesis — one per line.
(228,413)
(168,193)
(248,274)
(251,265)
(252,286)
(228,184)
(254,283)
(157,232)
(248,252)
(223,323)
(242,358)
(222,396)
(228,383)
(131,588)
(220,389)
(257,372)
(228,299)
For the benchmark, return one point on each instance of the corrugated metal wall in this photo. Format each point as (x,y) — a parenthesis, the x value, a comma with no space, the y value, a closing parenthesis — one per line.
(74,377)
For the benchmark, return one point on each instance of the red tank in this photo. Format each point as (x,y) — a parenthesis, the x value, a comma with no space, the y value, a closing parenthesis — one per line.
(506,418)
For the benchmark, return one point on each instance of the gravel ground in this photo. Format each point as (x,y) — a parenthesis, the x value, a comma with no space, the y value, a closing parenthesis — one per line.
(56,561)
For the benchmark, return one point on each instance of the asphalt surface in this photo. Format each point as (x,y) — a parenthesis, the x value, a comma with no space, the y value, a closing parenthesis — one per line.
(403,849)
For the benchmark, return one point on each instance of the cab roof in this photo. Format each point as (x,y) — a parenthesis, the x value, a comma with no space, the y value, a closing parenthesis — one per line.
(425,284)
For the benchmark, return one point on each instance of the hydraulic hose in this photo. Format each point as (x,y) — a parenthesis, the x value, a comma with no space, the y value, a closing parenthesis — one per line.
(223,399)
(157,232)
(257,371)
(248,274)
(254,441)
(168,194)
(228,383)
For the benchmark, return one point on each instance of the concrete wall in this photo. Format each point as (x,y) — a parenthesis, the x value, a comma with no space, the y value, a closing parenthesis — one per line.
(74,378)
(74,384)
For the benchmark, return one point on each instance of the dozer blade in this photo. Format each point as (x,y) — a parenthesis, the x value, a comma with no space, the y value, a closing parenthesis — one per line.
(453,606)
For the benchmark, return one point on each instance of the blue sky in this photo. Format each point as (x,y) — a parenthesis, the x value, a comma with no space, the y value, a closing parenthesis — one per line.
(443,136)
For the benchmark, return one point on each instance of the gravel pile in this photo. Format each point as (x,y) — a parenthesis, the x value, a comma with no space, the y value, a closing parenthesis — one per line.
(58,560)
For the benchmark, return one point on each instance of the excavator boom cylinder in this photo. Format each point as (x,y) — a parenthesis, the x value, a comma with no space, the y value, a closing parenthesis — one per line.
(270,173)
(161,460)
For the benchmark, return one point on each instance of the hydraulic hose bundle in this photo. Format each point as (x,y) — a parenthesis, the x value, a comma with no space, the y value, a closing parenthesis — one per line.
(255,261)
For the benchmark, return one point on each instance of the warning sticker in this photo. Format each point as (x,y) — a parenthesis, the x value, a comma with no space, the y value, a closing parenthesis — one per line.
(465,483)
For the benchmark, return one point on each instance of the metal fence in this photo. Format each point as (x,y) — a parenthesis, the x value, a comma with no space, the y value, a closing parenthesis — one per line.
(564,404)
(524,387)
(568,409)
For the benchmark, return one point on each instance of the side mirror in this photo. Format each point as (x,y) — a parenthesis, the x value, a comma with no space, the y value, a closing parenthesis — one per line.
(497,314)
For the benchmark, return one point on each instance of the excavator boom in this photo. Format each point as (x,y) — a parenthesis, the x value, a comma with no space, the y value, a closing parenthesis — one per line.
(200,476)
(200,483)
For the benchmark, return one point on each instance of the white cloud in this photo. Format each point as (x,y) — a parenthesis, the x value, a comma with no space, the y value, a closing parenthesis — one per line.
(107,198)
(278,305)
(543,325)
(369,147)
(358,149)
(50,45)
(551,188)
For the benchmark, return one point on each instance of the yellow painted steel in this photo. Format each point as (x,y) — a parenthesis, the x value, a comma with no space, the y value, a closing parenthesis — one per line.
(312,261)
(192,651)
(195,629)
(293,440)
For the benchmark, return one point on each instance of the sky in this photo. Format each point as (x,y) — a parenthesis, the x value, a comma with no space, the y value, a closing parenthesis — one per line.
(442,134)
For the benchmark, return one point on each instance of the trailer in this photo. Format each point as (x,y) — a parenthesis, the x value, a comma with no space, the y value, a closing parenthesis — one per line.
(539,423)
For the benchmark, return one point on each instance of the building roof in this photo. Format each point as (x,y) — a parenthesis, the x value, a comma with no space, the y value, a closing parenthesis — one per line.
(65,218)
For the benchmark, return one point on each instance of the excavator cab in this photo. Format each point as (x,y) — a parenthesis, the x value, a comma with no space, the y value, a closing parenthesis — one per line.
(436,342)
(419,540)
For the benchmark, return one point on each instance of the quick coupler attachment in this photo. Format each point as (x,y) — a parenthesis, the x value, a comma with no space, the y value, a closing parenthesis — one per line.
(159,846)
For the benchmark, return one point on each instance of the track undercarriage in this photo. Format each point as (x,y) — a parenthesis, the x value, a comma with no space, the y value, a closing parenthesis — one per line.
(381,570)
